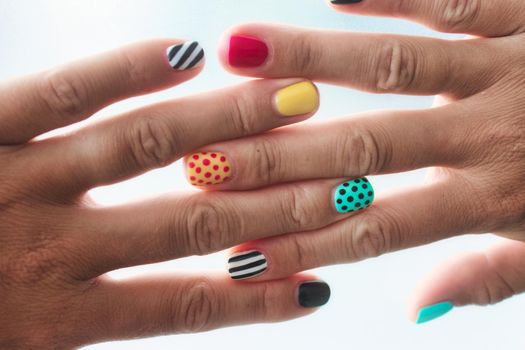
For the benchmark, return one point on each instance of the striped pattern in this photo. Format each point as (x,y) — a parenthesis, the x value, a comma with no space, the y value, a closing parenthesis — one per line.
(246,265)
(185,56)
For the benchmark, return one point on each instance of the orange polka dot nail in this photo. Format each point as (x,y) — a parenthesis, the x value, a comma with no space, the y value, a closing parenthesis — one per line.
(208,168)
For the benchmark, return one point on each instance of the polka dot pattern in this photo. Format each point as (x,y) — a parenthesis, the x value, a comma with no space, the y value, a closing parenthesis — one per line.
(353,195)
(208,168)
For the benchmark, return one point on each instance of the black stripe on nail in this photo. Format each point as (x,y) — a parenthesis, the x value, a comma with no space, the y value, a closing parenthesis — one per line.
(248,266)
(244,256)
(344,2)
(248,275)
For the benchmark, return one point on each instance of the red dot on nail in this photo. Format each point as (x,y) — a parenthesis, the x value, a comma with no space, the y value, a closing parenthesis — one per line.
(226,178)
(215,167)
(214,155)
(205,153)
(206,162)
(191,165)
(193,178)
(223,159)
(217,177)
(195,157)
(207,174)
(198,170)
(200,181)
(226,168)
(209,183)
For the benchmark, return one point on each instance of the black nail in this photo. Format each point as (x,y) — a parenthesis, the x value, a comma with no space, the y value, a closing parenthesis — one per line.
(344,2)
(314,294)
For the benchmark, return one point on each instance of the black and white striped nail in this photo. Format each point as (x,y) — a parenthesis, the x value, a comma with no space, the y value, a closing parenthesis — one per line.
(185,56)
(247,265)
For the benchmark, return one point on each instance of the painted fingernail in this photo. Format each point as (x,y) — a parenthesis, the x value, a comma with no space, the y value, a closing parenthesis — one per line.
(344,2)
(185,56)
(297,99)
(208,168)
(247,265)
(314,294)
(431,312)
(353,195)
(246,51)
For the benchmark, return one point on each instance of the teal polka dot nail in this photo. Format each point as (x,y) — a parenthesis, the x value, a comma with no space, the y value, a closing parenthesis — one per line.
(353,195)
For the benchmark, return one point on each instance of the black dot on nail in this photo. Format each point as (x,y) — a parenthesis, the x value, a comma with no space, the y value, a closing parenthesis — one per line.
(358,204)
(365,180)
(357,181)
(365,186)
(370,193)
(350,199)
(342,192)
(367,202)
(354,189)
(346,184)
(339,201)
(361,196)
(344,207)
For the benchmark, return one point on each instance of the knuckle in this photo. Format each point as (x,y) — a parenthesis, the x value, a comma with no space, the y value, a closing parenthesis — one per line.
(210,226)
(360,152)
(457,15)
(267,160)
(198,306)
(370,238)
(396,67)
(63,94)
(296,213)
(304,57)
(152,144)
(241,112)
(135,69)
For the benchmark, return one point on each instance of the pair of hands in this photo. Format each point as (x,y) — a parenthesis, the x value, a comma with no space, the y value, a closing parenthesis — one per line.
(56,244)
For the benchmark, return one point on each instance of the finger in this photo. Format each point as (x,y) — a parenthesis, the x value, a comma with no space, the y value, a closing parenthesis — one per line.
(377,63)
(394,222)
(478,17)
(476,278)
(376,143)
(188,304)
(45,101)
(157,135)
(205,222)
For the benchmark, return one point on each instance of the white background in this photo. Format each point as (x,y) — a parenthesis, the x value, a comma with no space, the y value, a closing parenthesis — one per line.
(367,310)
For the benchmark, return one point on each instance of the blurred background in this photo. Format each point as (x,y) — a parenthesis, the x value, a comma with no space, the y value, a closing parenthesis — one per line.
(368,307)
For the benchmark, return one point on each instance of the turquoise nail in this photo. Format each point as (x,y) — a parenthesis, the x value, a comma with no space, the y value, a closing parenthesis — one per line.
(431,312)
(353,195)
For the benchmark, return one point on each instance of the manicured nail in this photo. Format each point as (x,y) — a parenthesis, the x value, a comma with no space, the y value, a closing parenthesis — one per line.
(344,2)
(431,312)
(297,99)
(353,195)
(185,56)
(314,294)
(246,52)
(247,265)
(208,168)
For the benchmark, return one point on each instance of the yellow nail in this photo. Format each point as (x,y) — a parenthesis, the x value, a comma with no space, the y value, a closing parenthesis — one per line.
(297,99)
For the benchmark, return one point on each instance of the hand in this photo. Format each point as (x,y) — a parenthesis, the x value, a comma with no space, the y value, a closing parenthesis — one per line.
(56,244)
(475,139)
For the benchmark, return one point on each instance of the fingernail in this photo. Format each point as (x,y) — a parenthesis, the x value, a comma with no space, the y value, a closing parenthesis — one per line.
(431,312)
(185,56)
(247,265)
(246,51)
(353,195)
(344,2)
(208,168)
(297,99)
(314,294)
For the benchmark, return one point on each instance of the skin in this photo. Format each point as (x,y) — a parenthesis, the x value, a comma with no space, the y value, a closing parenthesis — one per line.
(473,140)
(56,244)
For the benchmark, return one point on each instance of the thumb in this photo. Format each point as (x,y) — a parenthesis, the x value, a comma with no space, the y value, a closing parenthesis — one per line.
(476,278)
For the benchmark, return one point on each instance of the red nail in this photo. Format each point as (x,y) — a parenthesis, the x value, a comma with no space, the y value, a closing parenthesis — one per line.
(246,51)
